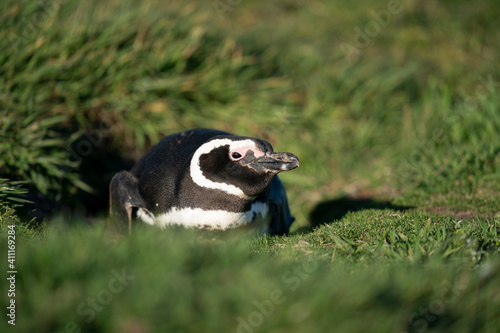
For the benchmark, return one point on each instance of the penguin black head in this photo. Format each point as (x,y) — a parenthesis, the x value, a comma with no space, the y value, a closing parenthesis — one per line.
(241,166)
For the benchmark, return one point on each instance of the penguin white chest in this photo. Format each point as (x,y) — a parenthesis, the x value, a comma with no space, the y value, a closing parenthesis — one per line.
(210,219)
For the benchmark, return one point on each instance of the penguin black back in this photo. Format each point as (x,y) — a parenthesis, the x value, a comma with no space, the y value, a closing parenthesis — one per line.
(160,169)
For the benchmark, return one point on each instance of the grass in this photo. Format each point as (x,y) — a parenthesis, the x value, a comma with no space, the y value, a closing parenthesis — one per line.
(375,271)
(396,198)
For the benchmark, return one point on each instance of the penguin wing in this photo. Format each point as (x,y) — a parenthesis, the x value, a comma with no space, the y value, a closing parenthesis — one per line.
(281,218)
(123,197)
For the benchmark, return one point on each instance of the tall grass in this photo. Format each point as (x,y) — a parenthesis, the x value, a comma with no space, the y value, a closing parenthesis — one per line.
(110,79)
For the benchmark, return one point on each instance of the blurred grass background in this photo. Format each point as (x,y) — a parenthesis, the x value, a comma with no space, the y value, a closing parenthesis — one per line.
(388,104)
(88,87)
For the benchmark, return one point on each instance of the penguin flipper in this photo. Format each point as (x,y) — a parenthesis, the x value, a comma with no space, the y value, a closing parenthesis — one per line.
(123,197)
(281,218)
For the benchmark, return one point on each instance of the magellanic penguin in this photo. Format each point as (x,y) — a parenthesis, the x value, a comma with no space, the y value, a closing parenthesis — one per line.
(206,178)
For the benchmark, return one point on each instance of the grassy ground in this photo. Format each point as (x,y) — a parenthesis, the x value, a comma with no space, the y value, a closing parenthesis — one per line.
(392,108)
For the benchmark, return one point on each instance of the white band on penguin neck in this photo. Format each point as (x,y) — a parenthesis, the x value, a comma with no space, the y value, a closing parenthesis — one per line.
(201,180)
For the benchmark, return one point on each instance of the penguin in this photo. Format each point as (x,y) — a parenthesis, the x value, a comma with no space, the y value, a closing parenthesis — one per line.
(206,179)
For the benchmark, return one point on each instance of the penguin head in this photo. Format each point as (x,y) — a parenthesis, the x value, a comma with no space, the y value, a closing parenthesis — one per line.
(240,166)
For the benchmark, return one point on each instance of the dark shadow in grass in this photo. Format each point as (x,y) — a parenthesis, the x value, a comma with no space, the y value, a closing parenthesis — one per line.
(331,210)
(96,169)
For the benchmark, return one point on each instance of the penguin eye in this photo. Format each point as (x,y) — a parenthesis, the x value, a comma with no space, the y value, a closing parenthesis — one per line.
(235,156)
(238,153)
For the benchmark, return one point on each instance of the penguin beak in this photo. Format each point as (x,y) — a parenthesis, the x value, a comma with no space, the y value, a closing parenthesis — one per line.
(277,162)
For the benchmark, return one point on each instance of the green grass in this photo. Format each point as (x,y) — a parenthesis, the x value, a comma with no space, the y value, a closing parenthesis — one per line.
(375,271)
(396,198)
